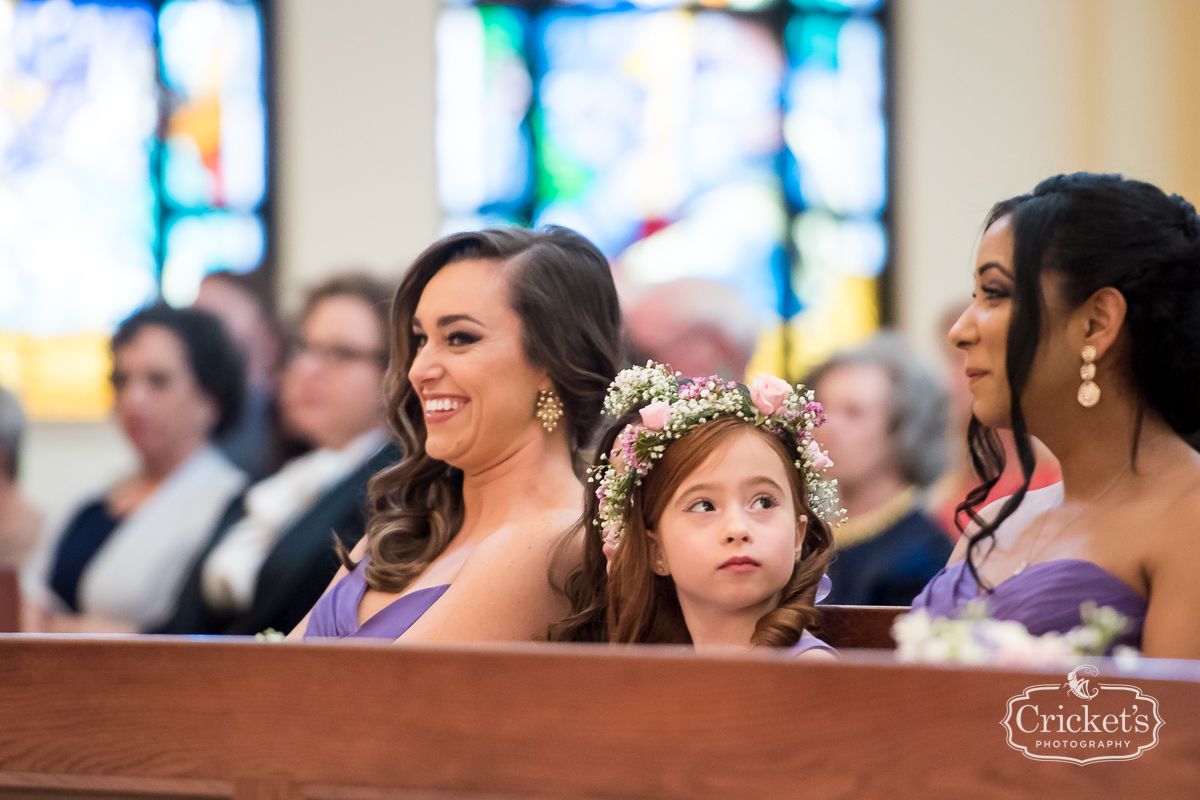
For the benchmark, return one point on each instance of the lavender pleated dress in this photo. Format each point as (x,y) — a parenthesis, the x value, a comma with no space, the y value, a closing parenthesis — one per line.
(1044,597)
(335,616)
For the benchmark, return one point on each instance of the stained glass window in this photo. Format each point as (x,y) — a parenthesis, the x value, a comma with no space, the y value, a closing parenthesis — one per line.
(743,141)
(99,211)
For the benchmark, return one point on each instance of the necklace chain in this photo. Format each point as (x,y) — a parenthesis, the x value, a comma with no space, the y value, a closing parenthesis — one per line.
(1041,528)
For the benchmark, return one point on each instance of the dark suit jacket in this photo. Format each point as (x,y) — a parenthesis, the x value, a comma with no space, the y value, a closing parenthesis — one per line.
(296,571)
(891,568)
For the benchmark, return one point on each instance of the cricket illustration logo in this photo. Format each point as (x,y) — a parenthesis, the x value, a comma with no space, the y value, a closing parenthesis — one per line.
(1079,686)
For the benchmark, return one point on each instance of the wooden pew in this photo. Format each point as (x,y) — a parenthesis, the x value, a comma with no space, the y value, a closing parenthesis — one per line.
(148,717)
(10,608)
(869,627)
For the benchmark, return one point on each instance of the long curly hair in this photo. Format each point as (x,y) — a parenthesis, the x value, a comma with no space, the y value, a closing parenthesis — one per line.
(630,603)
(1095,231)
(562,289)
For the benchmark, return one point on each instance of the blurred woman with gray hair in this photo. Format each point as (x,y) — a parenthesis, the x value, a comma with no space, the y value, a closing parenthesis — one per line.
(886,434)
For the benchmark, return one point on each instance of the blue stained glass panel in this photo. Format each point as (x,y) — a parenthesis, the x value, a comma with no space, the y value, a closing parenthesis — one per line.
(658,138)
(78,108)
(686,141)
(483,91)
(732,5)
(835,124)
(837,5)
(215,155)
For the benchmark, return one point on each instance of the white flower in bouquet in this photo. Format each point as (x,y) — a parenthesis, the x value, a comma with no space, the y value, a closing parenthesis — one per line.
(973,638)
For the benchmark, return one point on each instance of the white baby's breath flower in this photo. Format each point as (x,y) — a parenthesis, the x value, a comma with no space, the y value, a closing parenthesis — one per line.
(976,639)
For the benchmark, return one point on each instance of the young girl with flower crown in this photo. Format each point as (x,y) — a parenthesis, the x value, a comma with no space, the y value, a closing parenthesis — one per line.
(711,511)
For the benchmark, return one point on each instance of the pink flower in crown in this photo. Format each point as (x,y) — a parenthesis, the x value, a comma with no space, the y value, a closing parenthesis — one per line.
(698,384)
(815,458)
(611,533)
(656,415)
(768,393)
(622,455)
(817,410)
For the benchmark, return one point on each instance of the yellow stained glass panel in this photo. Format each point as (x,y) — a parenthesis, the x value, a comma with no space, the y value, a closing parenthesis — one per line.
(848,316)
(58,377)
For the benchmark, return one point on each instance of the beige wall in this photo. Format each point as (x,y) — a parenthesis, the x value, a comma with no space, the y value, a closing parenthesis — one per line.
(354,120)
(992,95)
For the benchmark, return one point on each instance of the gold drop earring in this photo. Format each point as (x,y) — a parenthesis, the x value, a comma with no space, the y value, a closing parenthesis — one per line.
(1089,392)
(549,409)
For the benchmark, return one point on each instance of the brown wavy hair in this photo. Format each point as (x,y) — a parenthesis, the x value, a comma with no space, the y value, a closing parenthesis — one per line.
(631,604)
(562,289)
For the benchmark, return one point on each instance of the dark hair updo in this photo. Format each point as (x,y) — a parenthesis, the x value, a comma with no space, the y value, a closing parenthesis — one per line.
(215,360)
(561,288)
(1097,231)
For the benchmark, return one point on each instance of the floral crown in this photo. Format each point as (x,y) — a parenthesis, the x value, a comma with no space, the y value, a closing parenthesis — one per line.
(673,407)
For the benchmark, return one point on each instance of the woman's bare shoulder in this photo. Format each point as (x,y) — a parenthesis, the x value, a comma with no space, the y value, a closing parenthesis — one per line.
(534,533)
(503,591)
(1178,509)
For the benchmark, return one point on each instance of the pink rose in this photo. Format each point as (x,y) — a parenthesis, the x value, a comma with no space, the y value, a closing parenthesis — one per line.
(656,414)
(768,393)
(815,458)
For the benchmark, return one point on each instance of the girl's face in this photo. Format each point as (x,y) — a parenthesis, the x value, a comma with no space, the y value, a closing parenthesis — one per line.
(728,537)
(478,389)
(982,333)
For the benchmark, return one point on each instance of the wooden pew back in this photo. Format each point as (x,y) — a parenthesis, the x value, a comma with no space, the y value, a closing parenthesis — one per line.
(10,608)
(224,718)
(869,627)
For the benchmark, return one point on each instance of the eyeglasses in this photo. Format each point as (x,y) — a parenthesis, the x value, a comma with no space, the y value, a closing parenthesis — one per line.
(336,355)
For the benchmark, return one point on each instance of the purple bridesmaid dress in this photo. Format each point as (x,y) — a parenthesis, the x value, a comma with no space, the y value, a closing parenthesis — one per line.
(1044,597)
(335,616)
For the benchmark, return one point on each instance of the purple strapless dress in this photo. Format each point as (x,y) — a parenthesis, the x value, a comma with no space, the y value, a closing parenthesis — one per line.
(335,616)
(1044,597)
(809,642)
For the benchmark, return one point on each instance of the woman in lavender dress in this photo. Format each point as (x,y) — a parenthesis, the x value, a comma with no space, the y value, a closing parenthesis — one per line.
(1085,332)
(503,345)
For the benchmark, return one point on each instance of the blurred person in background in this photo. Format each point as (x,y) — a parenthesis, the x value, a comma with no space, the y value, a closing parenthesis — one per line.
(885,432)
(272,554)
(698,327)
(119,561)
(19,521)
(243,307)
(960,478)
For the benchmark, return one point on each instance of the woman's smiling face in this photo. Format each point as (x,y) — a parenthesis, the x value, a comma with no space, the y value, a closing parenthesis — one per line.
(476,385)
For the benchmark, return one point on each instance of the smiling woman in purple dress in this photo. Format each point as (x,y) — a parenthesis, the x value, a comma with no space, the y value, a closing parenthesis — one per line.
(503,344)
(1085,333)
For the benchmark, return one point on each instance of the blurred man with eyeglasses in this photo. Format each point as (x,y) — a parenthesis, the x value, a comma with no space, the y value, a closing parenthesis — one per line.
(273,554)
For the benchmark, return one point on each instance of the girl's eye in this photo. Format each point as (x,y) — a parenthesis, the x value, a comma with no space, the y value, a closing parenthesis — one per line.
(419,339)
(764,502)
(461,339)
(702,505)
(995,292)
